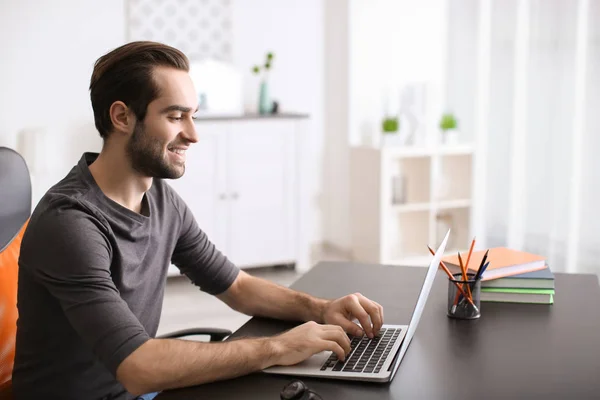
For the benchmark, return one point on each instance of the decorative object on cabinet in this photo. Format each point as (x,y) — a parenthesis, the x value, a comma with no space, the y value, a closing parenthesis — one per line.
(265,105)
(390,135)
(449,127)
(243,185)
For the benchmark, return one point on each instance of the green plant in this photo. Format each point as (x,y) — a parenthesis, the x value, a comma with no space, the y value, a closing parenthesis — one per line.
(448,122)
(266,66)
(390,125)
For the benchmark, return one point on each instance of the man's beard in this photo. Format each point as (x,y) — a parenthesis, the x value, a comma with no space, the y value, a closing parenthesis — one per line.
(146,156)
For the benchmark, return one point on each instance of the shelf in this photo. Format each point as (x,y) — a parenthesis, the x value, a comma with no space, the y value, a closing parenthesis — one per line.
(450,204)
(417,152)
(441,205)
(407,234)
(395,152)
(404,198)
(453,179)
(248,116)
(411,207)
(455,150)
(410,179)
(458,220)
(407,152)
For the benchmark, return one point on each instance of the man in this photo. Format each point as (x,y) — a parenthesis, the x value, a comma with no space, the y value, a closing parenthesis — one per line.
(96,252)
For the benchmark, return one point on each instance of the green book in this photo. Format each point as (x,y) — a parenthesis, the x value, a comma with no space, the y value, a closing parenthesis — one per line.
(517,295)
(542,279)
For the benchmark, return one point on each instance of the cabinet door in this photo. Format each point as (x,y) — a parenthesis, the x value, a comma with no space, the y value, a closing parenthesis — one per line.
(261,182)
(202,186)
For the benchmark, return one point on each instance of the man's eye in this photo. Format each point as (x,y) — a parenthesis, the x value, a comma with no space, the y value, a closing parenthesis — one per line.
(175,118)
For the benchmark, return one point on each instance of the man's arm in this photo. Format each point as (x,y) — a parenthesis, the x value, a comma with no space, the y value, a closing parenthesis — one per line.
(69,254)
(161,364)
(259,297)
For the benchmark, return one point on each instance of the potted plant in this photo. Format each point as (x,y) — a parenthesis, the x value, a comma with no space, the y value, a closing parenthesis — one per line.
(449,127)
(390,127)
(265,106)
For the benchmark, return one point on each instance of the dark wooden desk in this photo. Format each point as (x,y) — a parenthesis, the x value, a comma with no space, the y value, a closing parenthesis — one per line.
(513,351)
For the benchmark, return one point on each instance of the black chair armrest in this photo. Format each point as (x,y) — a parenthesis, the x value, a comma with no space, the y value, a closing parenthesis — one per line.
(216,334)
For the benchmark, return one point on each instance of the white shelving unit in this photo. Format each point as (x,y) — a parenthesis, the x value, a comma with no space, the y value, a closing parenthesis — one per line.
(404,198)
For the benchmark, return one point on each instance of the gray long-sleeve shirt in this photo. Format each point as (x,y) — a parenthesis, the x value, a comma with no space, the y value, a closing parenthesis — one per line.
(91,282)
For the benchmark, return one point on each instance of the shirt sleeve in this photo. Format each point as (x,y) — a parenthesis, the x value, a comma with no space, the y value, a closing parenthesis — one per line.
(197,257)
(70,256)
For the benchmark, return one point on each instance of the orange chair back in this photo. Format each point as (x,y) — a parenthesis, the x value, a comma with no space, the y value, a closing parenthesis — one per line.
(8,308)
(15,210)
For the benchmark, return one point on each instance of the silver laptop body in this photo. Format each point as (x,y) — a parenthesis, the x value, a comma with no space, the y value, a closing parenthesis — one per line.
(368,361)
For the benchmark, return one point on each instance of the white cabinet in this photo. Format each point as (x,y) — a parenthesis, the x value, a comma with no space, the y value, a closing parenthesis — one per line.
(203,186)
(261,182)
(242,185)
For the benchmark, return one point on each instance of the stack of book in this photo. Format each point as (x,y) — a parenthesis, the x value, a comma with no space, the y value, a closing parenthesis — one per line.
(512,276)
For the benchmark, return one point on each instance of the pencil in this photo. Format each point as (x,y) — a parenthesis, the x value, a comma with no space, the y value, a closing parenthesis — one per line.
(484,268)
(447,271)
(470,252)
(464,275)
(479,271)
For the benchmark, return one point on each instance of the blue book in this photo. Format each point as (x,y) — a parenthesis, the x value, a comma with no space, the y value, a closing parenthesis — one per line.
(542,279)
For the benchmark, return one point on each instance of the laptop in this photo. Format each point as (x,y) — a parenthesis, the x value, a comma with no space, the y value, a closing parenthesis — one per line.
(373,360)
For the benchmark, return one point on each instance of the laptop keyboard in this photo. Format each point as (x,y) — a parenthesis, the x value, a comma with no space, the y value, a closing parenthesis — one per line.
(367,355)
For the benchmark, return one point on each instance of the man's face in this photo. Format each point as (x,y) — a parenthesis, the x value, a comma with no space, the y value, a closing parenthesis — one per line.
(158,144)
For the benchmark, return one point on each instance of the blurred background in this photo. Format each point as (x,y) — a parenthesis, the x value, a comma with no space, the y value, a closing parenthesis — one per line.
(343,129)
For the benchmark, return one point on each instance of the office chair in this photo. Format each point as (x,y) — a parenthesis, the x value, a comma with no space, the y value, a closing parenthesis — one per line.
(15,209)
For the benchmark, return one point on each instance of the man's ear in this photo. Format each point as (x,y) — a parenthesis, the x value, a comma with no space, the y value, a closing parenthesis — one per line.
(121,117)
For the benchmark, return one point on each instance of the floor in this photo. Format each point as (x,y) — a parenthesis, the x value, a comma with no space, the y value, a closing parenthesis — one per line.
(185,306)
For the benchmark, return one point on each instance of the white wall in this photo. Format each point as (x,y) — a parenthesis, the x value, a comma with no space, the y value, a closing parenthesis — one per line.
(49,48)
(48,52)
(336,186)
(373,47)
(393,42)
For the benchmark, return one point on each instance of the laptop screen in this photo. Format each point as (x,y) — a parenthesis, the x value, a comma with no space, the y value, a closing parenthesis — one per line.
(425,289)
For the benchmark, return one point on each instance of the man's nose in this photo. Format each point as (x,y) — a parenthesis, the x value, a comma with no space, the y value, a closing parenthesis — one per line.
(190,133)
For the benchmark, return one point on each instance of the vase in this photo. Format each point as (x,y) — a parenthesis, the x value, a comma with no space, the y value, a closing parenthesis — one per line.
(389,139)
(450,137)
(264,102)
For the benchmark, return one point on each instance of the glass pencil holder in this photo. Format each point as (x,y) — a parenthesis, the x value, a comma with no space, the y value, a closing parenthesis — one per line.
(459,305)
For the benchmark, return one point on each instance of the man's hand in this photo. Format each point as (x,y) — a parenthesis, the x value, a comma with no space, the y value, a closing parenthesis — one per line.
(344,310)
(298,344)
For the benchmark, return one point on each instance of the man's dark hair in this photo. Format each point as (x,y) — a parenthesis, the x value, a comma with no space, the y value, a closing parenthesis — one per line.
(125,74)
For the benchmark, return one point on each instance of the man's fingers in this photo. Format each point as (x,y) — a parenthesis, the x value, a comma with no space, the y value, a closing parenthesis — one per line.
(339,336)
(359,312)
(374,310)
(336,348)
(380,307)
(348,326)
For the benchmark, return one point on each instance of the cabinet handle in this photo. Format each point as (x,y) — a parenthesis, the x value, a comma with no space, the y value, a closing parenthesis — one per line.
(222,196)
(234,195)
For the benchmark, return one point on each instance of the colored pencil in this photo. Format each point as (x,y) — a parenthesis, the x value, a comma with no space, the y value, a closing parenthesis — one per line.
(447,271)
(479,271)
(464,275)
(470,252)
